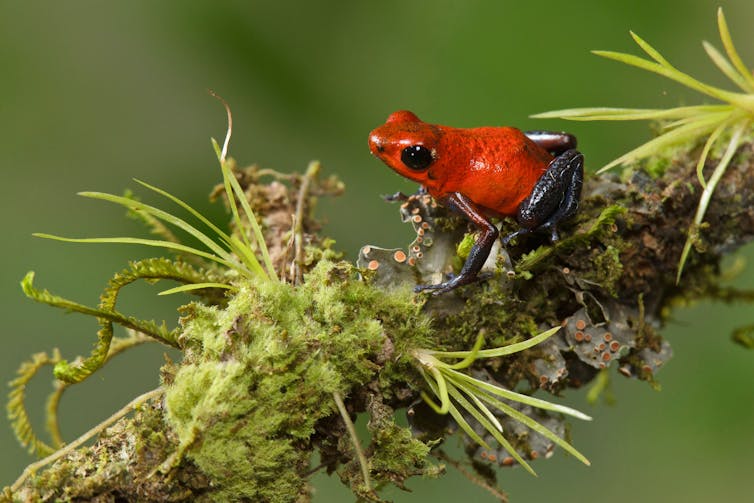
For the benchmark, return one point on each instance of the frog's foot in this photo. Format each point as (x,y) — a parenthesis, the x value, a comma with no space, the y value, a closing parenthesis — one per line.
(453,283)
(554,198)
(513,235)
(401,197)
(397,197)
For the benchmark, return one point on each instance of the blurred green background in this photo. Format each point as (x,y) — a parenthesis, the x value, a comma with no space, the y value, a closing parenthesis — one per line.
(93,94)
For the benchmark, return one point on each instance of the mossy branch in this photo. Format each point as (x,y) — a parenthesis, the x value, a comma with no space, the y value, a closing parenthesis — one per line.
(297,346)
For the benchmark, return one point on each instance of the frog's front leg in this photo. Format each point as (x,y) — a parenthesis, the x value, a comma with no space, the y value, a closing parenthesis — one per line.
(479,252)
(554,198)
(401,197)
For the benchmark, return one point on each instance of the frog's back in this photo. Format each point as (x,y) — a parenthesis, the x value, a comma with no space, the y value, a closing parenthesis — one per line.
(495,167)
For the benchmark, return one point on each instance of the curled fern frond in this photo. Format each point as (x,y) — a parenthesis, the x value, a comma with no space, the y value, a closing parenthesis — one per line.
(16,407)
(459,392)
(117,346)
(106,315)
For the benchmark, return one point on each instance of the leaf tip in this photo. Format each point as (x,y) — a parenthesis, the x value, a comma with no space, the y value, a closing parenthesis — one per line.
(27,283)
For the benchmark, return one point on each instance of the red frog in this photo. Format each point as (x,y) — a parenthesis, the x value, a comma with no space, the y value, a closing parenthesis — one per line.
(486,172)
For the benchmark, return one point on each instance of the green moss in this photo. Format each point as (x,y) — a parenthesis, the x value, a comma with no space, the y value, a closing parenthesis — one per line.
(397,452)
(245,403)
(606,270)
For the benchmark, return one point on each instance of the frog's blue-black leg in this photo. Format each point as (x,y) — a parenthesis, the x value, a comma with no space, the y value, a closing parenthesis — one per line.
(554,198)
(479,252)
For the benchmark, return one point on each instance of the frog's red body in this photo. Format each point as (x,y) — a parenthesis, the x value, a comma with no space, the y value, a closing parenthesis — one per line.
(496,168)
(485,172)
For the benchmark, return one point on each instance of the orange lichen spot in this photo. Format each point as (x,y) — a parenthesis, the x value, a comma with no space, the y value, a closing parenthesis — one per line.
(566,270)
(373,265)
(579,336)
(415,211)
(399,256)
(411,261)
(602,365)
(415,249)
(614,346)
(419,239)
(511,274)
(425,226)
(416,219)
(601,346)
(580,324)
(533,455)
(508,461)
(404,206)
(366,250)
(606,356)
(483,455)
(608,337)
(646,369)
(588,337)
(543,379)
(492,457)
(420,231)
(419,254)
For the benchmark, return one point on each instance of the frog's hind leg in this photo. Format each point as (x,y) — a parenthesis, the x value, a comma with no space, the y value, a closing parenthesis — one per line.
(554,198)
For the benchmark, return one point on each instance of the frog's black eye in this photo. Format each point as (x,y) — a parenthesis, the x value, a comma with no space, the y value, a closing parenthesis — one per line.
(416,157)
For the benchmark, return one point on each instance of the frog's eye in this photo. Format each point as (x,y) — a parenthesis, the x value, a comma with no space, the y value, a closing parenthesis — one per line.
(416,157)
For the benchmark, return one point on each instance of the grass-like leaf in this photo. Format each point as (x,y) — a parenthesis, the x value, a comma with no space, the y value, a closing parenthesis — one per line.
(456,389)
(709,189)
(470,356)
(233,190)
(195,286)
(168,245)
(690,124)
(241,250)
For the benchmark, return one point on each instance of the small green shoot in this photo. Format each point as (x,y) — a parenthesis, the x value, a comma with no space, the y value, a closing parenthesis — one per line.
(720,123)
(456,389)
(237,255)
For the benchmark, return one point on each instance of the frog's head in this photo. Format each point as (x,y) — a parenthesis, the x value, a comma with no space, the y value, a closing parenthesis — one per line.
(407,145)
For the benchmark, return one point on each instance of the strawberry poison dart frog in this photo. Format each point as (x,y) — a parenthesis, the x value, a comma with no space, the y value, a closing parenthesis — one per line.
(534,176)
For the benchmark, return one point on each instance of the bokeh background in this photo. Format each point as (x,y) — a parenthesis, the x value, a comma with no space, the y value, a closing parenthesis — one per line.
(93,94)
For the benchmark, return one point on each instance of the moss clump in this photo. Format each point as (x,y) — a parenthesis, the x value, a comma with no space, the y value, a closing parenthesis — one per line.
(260,375)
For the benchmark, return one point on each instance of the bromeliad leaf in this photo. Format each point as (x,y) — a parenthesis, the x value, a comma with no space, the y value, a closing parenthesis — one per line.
(727,122)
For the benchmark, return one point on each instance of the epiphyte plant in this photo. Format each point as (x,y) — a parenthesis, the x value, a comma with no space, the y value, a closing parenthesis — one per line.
(474,396)
(720,125)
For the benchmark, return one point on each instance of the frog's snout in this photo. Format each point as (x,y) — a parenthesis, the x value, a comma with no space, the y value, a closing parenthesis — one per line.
(375,144)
